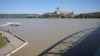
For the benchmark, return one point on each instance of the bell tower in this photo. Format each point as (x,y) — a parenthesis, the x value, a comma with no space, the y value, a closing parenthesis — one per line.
(58,11)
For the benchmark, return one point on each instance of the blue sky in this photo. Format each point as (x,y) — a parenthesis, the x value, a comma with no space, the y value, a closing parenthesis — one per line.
(42,6)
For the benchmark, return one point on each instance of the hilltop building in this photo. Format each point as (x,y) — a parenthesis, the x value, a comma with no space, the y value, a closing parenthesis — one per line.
(59,13)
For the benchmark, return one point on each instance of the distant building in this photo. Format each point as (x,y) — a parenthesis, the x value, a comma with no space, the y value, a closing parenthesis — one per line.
(58,11)
(67,13)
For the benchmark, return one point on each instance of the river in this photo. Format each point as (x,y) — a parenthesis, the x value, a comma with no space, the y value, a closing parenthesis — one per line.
(43,33)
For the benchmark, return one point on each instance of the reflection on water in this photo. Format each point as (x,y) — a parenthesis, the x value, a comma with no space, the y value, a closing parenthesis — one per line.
(42,33)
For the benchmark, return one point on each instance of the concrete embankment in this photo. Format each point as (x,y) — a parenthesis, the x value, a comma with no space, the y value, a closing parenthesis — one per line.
(15,43)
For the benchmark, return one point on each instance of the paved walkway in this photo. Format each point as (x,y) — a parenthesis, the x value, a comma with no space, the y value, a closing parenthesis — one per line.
(87,47)
(12,45)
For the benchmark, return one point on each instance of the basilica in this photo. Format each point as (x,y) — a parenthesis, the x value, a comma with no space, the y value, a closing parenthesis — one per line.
(59,11)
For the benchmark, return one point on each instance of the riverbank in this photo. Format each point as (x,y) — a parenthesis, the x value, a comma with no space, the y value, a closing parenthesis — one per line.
(53,15)
(15,43)
(2,41)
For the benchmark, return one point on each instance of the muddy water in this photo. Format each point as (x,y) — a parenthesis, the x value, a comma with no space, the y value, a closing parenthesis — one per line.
(43,33)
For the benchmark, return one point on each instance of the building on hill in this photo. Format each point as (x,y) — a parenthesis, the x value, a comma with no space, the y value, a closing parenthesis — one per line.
(68,14)
(59,13)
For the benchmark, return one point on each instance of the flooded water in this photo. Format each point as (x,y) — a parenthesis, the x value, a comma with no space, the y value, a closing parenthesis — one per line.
(43,33)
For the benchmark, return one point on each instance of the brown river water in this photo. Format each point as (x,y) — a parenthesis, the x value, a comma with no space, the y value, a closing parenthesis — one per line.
(43,33)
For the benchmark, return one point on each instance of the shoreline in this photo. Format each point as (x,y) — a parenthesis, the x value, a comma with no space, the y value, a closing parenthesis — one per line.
(18,47)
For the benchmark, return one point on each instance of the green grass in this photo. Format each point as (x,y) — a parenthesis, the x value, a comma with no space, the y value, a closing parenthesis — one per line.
(2,42)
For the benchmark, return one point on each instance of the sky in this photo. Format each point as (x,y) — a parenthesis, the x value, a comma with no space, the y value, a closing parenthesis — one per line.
(43,6)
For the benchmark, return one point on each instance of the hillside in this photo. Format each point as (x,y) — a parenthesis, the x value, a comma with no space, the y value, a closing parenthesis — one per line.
(19,15)
(88,15)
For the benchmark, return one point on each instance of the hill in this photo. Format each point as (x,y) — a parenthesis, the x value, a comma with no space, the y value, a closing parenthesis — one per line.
(19,15)
(88,15)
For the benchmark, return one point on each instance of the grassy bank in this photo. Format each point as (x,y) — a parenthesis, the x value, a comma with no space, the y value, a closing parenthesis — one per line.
(2,41)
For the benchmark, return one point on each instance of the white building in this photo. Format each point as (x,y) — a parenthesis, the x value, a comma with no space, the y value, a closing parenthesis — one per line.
(58,11)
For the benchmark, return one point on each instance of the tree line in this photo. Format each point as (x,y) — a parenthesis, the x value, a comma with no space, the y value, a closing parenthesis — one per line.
(83,15)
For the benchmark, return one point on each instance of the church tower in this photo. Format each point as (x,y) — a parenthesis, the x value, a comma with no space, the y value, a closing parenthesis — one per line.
(58,11)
